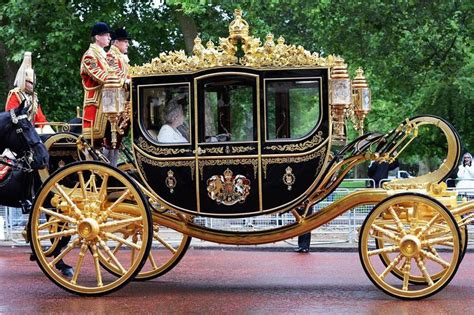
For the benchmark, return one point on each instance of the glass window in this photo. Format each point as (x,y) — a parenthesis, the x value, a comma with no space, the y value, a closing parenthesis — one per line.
(293,108)
(166,113)
(229,109)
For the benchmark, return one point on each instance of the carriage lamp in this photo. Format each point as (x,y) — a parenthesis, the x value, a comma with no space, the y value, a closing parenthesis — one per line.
(113,104)
(361,100)
(340,99)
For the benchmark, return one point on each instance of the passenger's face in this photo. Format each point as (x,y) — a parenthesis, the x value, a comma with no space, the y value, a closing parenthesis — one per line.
(122,45)
(103,40)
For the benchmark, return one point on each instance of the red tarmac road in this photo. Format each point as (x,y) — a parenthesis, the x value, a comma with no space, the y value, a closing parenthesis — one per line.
(233,282)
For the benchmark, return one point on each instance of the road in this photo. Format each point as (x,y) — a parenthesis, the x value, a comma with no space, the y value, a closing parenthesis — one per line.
(234,282)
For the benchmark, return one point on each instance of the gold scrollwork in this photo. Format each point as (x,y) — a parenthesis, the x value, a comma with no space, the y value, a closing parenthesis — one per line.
(187,163)
(253,162)
(142,144)
(289,178)
(298,159)
(242,149)
(215,150)
(254,54)
(317,139)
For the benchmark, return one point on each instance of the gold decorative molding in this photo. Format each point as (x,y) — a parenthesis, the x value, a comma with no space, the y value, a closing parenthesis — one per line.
(215,150)
(296,159)
(253,162)
(174,163)
(143,144)
(255,54)
(242,149)
(317,139)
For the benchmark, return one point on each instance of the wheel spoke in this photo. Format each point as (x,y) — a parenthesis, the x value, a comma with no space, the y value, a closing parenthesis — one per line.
(428,225)
(119,200)
(391,266)
(103,188)
(406,273)
(58,234)
(437,259)
(424,271)
(98,274)
(163,242)
(61,255)
(438,240)
(385,250)
(69,201)
(116,225)
(121,240)
(58,215)
(386,232)
(77,270)
(48,224)
(111,256)
(83,185)
(152,261)
(93,184)
(399,223)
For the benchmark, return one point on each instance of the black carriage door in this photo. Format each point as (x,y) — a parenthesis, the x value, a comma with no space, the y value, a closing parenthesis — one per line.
(227,137)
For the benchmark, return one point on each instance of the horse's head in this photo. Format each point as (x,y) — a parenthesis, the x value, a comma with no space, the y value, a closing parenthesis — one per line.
(22,138)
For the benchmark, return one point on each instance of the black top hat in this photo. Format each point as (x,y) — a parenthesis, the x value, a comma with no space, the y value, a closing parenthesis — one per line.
(120,34)
(100,28)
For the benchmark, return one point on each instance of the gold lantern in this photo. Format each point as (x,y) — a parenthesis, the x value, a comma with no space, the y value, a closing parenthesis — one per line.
(341,99)
(113,104)
(361,100)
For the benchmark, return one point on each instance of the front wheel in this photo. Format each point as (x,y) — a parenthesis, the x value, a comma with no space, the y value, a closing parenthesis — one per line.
(86,199)
(421,247)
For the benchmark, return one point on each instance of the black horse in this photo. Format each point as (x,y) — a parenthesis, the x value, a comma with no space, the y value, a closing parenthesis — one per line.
(19,136)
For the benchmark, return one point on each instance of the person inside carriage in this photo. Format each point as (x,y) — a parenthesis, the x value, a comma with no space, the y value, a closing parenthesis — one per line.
(173,118)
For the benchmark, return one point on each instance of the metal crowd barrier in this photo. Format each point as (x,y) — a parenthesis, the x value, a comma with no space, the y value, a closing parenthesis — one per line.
(343,229)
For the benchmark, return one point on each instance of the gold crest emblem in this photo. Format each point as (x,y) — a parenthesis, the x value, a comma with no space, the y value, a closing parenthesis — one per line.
(228,189)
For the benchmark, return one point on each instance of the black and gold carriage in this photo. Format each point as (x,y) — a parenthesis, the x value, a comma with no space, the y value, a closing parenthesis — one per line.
(256,134)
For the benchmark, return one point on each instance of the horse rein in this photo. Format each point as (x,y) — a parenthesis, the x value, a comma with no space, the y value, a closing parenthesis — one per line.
(27,157)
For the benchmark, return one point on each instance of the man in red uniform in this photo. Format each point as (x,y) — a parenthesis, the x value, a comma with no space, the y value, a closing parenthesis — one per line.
(118,60)
(24,90)
(95,71)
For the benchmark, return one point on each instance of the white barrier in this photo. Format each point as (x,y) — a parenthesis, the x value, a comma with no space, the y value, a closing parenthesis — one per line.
(2,229)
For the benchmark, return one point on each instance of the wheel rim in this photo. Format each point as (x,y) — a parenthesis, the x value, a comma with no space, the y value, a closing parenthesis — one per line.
(85,197)
(420,246)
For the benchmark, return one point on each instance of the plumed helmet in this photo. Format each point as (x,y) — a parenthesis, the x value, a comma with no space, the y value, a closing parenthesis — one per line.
(100,28)
(120,34)
(25,72)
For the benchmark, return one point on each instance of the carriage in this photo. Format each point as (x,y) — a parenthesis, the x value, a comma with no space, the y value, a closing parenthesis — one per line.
(260,124)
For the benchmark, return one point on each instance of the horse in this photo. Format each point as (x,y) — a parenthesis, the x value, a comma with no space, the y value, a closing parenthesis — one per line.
(20,137)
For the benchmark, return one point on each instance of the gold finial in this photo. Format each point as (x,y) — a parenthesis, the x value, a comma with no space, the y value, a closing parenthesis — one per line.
(280,40)
(198,47)
(238,28)
(269,44)
(359,81)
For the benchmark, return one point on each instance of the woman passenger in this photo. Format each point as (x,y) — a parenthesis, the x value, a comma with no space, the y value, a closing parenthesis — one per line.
(173,117)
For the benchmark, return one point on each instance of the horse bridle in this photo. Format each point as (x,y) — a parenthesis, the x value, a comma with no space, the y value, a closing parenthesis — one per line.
(27,157)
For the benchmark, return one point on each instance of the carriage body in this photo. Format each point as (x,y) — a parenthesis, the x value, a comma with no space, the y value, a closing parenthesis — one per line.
(276,142)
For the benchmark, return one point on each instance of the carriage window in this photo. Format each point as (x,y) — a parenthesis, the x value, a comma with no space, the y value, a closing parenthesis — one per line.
(229,109)
(293,108)
(166,113)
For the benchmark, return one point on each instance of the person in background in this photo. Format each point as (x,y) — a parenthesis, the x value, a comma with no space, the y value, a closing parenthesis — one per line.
(465,186)
(379,171)
(304,240)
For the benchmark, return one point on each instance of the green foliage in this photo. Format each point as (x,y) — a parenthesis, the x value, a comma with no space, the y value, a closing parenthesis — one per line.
(417,55)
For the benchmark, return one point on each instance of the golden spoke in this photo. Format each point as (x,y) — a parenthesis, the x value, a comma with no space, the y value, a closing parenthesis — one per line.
(58,234)
(165,244)
(69,247)
(390,249)
(93,184)
(116,225)
(399,223)
(122,240)
(437,259)
(111,256)
(386,232)
(433,251)
(69,201)
(48,223)
(152,261)
(83,185)
(422,267)
(119,200)
(435,241)
(98,274)
(77,270)
(412,216)
(391,266)
(428,225)
(58,215)
(103,187)
(406,273)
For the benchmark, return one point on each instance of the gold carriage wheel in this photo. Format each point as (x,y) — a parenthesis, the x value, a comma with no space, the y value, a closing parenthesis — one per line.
(421,241)
(83,196)
(166,251)
(379,242)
